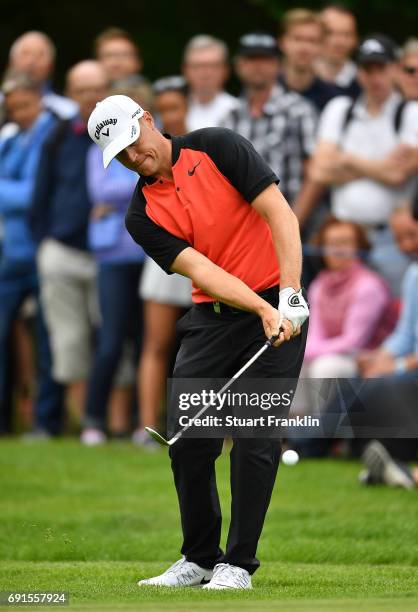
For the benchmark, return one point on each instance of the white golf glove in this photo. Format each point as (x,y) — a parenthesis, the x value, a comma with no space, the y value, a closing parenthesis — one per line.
(293,306)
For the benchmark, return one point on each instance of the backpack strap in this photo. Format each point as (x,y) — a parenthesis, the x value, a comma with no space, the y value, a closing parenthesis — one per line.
(346,119)
(348,116)
(397,118)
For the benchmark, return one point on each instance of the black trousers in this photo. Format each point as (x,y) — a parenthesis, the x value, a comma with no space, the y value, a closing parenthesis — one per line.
(217,345)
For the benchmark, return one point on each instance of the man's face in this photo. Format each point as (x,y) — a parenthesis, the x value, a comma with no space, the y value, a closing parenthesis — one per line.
(119,58)
(171,107)
(405,231)
(86,88)
(257,72)
(206,71)
(340,35)
(23,107)
(144,155)
(33,57)
(302,45)
(407,77)
(377,80)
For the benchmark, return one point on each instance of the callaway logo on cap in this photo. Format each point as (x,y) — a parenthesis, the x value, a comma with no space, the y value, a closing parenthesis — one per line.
(113,125)
(100,126)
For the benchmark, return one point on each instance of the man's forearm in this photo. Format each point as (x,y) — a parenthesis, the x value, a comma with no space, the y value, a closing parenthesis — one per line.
(381,171)
(286,238)
(272,206)
(218,283)
(346,175)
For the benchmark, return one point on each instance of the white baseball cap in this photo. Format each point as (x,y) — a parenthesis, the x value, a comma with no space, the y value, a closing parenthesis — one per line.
(113,125)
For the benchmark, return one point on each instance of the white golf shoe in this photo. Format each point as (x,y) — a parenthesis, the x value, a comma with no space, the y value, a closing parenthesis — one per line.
(181,574)
(227,576)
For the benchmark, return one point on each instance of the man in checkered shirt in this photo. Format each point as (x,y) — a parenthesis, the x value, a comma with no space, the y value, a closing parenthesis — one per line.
(280,124)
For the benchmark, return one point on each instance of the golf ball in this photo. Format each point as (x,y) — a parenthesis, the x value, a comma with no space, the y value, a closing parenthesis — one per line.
(290,457)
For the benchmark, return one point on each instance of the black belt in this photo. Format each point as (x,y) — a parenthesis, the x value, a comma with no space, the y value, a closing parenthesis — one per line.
(220,308)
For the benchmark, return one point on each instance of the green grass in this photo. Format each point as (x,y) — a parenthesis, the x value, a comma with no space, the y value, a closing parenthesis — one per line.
(94,521)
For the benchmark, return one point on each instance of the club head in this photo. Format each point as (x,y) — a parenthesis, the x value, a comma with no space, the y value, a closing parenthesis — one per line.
(157,437)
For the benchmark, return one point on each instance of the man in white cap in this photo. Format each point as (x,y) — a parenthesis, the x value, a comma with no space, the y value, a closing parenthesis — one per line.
(207,206)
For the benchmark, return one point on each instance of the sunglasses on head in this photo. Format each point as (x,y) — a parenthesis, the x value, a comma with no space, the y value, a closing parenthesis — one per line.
(410,69)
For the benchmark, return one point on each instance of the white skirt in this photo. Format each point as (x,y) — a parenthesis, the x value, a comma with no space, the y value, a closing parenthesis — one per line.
(157,286)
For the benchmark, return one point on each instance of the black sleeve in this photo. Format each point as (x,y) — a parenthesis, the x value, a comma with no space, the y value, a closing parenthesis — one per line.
(238,161)
(157,243)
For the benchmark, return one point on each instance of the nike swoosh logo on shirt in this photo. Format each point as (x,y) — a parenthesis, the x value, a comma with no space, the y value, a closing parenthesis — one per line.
(192,171)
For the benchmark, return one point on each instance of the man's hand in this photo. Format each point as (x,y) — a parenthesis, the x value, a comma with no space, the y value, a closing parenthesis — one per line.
(373,364)
(329,165)
(273,322)
(293,308)
(401,153)
(365,358)
(405,158)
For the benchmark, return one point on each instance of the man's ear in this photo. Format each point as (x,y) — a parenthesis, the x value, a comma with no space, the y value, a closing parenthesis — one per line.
(149,120)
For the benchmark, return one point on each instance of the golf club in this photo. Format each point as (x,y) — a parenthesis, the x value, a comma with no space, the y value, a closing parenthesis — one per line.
(161,440)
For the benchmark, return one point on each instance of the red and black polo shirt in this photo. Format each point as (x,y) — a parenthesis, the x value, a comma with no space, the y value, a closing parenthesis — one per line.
(216,175)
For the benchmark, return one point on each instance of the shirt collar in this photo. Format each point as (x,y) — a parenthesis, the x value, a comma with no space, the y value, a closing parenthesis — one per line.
(37,125)
(391,102)
(273,103)
(275,100)
(177,143)
(146,180)
(313,85)
(347,74)
(193,101)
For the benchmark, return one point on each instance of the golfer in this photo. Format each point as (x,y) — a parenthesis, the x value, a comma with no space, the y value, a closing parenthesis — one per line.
(207,206)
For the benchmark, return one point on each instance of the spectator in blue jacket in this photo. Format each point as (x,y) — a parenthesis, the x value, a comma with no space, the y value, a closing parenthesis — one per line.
(19,156)
(119,269)
(59,218)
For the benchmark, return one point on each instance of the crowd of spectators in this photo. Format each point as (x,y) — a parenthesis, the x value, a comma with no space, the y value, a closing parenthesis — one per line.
(87,322)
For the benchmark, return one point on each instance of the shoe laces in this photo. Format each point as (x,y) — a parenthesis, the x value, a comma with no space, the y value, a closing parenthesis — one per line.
(227,571)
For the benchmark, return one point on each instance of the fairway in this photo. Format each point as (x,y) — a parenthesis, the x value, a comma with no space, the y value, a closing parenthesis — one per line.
(92,521)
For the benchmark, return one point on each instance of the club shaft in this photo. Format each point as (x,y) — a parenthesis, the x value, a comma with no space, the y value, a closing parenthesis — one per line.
(224,388)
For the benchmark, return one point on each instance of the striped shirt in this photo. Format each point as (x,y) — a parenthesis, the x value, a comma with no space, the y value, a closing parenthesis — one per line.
(284,135)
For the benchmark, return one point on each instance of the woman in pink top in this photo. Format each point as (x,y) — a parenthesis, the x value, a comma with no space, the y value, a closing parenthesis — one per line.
(351,306)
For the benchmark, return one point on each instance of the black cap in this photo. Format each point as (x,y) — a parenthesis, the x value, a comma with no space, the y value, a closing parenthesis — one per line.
(258,44)
(170,83)
(376,49)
